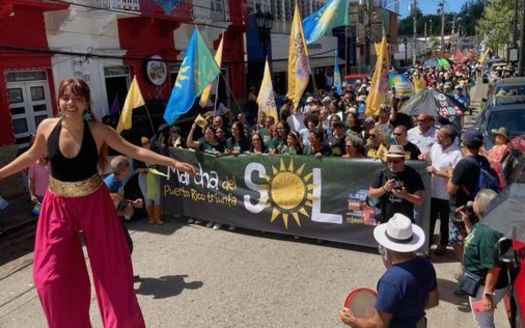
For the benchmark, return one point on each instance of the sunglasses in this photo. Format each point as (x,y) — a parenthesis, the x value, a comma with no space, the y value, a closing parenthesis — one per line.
(394,160)
(372,135)
(397,134)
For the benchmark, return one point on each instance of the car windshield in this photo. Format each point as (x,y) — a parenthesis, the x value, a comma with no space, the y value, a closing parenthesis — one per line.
(510,94)
(513,119)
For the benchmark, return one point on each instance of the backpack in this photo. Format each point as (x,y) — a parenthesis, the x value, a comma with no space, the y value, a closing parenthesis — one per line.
(488,178)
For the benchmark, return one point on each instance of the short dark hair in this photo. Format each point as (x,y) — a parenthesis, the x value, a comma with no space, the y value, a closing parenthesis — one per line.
(450,131)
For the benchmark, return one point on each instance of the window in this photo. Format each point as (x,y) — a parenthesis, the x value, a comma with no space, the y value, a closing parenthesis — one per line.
(26,76)
(117,81)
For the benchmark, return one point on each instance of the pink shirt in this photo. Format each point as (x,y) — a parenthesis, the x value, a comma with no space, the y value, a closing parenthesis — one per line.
(39,173)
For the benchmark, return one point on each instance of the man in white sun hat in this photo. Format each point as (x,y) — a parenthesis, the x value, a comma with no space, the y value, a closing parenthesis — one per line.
(406,288)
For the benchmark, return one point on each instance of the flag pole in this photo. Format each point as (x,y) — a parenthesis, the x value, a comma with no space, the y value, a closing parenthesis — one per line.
(149,118)
(216,94)
(346,49)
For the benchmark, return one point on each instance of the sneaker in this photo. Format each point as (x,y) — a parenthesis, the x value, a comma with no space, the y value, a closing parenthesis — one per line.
(198,221)
(191,220)
(209,224)
(217,226)
(137,278)
(232,228)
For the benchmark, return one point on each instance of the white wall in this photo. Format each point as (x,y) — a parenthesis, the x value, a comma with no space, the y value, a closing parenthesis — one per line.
(81,31)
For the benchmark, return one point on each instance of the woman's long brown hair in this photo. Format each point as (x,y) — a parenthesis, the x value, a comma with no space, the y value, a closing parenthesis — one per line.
(80,88)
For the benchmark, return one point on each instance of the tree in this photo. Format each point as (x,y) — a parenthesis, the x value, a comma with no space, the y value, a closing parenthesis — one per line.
(467,18)
(496,22)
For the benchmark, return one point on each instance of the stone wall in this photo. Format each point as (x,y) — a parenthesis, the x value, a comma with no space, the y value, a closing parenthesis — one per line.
(12,186)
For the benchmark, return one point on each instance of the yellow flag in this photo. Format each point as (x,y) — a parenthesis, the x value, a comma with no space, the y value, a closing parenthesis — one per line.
(298,67)
(205,96)
(380,81)
(133,100)
(266,97)
(419,84)
(484,56)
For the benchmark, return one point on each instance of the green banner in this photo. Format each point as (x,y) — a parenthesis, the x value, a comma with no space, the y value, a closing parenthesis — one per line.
(323,198)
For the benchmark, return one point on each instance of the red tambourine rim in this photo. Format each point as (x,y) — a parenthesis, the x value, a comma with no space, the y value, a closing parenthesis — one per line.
(354,291)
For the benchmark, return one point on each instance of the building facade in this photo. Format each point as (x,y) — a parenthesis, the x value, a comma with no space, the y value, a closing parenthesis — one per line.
(106,43)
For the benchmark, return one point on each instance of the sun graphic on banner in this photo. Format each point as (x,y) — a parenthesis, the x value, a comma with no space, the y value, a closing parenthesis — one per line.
(289,192)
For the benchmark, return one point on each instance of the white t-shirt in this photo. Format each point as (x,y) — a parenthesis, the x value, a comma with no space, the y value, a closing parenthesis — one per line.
(423,141)
(443,159)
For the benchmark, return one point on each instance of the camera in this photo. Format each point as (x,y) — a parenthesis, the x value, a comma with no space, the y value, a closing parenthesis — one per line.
(468,210)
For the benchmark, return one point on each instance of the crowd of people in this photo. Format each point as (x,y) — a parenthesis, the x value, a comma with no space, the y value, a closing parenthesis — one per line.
(325,124)
(328,124)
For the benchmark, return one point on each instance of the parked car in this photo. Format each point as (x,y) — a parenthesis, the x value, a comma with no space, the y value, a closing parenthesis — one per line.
(505,107)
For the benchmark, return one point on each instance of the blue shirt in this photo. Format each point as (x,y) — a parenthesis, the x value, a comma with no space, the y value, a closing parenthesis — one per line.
(113,183)
(403,291)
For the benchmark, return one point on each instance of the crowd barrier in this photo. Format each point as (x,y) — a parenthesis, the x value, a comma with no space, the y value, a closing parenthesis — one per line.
(323,198)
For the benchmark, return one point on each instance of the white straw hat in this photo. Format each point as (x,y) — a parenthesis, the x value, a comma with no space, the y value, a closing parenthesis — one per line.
(399,234)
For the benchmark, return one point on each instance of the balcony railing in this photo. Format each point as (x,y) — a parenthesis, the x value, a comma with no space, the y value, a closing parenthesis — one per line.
(184,10)
(121,5)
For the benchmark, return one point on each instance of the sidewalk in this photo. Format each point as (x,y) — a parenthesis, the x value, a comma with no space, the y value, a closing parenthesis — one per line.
(16,215)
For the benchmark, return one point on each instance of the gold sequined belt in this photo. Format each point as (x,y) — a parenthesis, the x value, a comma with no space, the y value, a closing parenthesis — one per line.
(75,188)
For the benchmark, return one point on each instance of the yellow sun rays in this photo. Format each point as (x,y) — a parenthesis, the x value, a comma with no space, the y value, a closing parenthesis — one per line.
(289,192)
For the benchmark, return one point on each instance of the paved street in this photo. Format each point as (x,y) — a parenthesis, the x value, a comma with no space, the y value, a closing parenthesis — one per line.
(196,277)
(193,276)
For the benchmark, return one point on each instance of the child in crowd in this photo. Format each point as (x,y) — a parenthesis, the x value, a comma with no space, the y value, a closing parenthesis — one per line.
(37,182)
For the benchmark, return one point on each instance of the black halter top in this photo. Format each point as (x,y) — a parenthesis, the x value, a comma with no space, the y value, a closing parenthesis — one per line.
(78,168)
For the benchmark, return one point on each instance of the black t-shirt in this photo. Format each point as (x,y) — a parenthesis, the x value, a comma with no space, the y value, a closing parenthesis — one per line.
(402,119)
(466,175)
(390,204)
(337,146)
(412,150)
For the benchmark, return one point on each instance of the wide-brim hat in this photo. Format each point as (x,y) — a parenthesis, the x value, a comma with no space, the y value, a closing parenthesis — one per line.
(400,234)
(503,131)
(396,151)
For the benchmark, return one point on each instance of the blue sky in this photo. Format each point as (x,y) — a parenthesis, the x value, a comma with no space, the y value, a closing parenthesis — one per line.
(430,6)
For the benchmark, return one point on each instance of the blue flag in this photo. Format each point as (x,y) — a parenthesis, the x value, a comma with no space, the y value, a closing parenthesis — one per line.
(334,13)
(337,76)
(167,5)
(197,70)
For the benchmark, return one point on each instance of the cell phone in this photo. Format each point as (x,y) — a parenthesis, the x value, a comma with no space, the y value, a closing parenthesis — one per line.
(478,306)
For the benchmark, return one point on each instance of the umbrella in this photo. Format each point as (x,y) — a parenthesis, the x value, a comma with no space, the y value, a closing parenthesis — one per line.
(505,212)
(438,62)
(433,103)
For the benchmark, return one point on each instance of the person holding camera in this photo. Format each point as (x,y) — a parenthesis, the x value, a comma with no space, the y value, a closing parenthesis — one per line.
(463,185)
(398,187)
(487,276)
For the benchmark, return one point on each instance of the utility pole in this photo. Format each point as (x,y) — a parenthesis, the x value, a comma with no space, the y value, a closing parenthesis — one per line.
(425,32)
(515,25)
(368,37)
(522,42)
(442,5)
(414,44)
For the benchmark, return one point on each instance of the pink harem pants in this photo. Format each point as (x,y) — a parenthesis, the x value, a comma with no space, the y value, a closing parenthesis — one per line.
(60,271)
